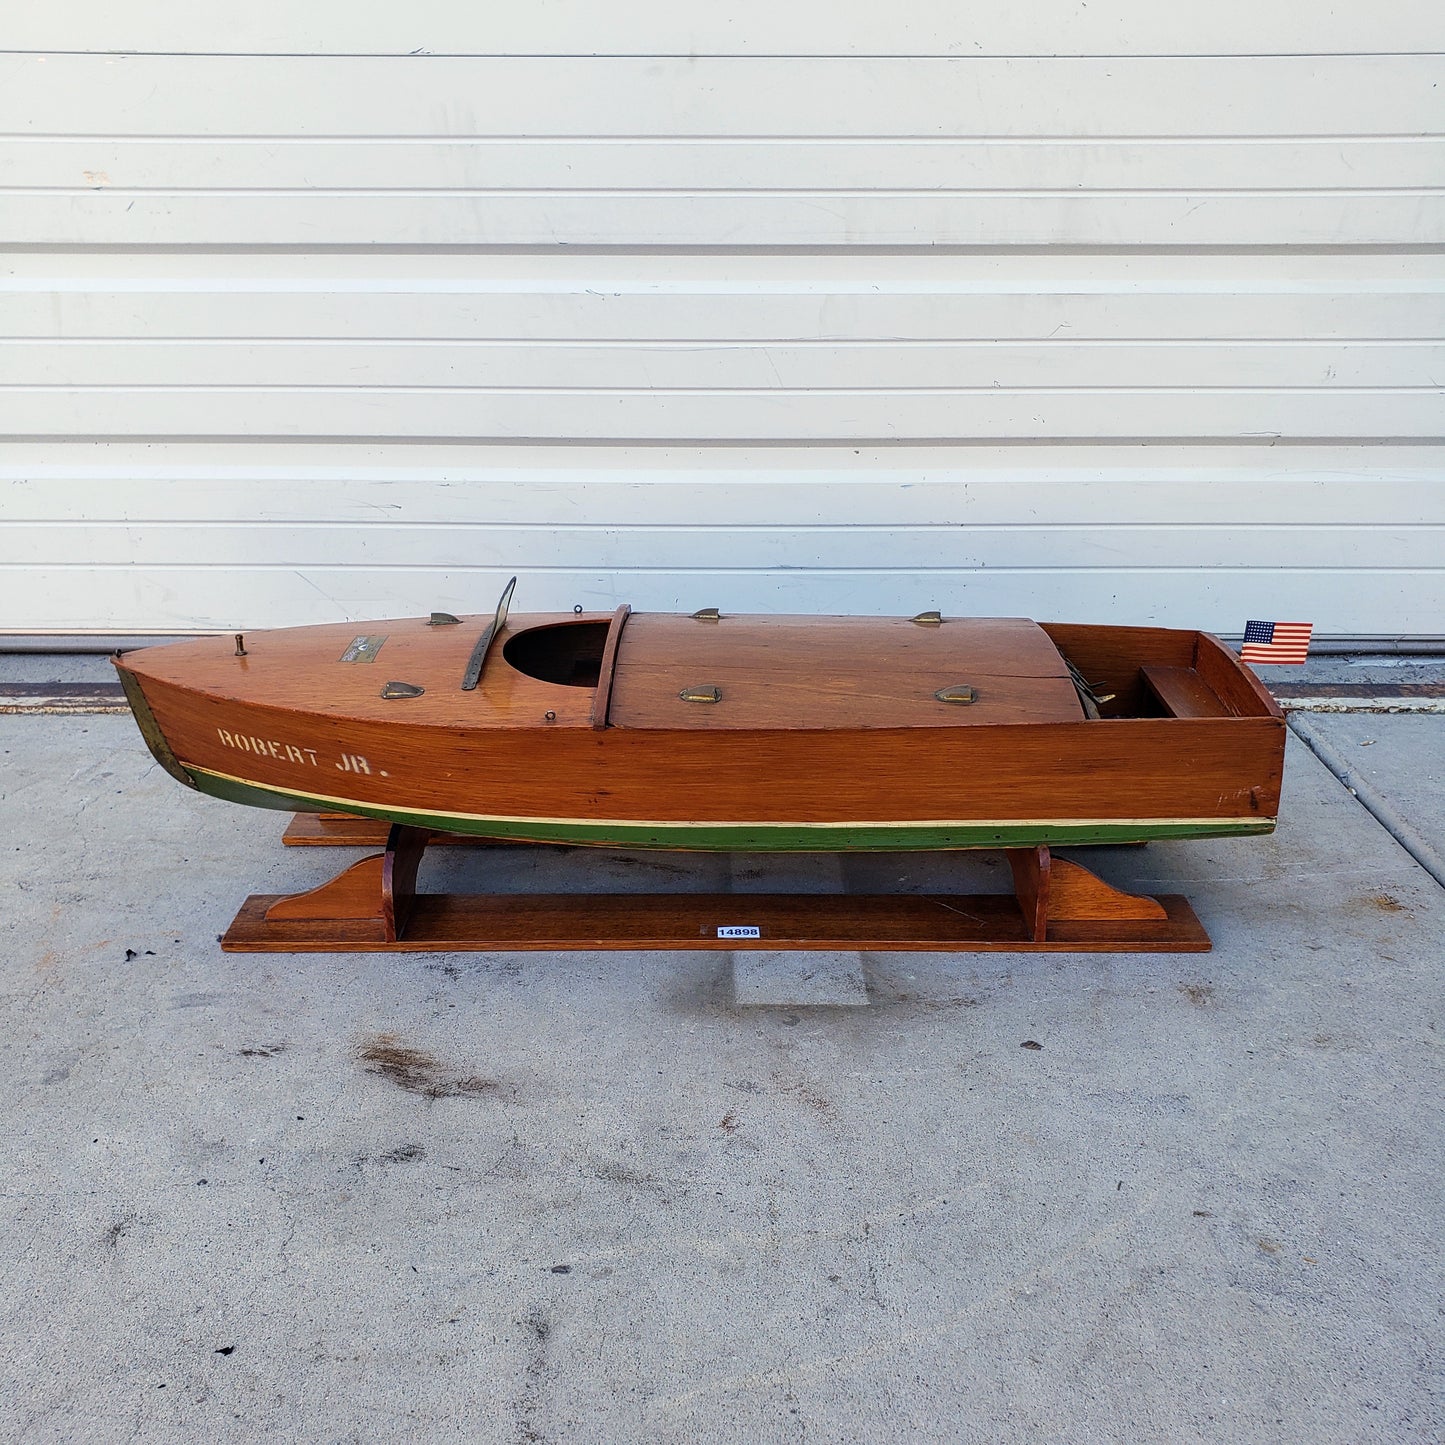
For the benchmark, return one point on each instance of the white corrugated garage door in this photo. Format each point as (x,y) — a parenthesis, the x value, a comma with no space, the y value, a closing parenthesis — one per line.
(1123,312)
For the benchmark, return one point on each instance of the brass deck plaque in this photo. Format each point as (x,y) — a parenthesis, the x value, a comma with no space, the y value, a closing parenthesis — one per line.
(364,649)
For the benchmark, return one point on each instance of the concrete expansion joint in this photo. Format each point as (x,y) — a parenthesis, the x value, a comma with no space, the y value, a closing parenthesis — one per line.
(1373,801)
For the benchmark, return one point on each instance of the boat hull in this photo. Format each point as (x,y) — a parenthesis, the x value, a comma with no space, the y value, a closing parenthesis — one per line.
(1111,780)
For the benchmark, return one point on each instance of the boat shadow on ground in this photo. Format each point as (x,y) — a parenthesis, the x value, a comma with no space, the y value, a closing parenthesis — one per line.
(758,980)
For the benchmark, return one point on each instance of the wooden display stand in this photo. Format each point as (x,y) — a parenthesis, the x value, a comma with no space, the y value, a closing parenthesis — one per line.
(373,907)
(346,830)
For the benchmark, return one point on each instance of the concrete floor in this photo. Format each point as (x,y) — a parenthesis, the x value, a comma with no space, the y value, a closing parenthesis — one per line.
(632,1197)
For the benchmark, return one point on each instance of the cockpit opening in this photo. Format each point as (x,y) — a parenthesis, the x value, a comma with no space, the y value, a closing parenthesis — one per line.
(569,653)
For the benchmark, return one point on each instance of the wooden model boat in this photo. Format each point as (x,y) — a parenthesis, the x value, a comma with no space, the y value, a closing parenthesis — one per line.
(726,732)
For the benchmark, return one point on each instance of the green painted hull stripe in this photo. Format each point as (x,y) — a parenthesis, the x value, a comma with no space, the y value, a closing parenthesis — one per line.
(750,837)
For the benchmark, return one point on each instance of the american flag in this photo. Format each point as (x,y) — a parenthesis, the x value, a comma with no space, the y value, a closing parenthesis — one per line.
(1278,642)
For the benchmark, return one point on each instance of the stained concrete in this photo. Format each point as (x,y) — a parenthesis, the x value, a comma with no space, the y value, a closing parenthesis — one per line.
(597,1198)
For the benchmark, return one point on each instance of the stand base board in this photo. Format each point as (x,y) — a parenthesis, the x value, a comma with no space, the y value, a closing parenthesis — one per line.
(460,923)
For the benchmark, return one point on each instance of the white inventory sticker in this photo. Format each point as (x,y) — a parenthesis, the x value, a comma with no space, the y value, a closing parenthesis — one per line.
(738,930)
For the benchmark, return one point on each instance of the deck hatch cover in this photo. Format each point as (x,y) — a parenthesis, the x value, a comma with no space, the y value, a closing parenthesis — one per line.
(839,673)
